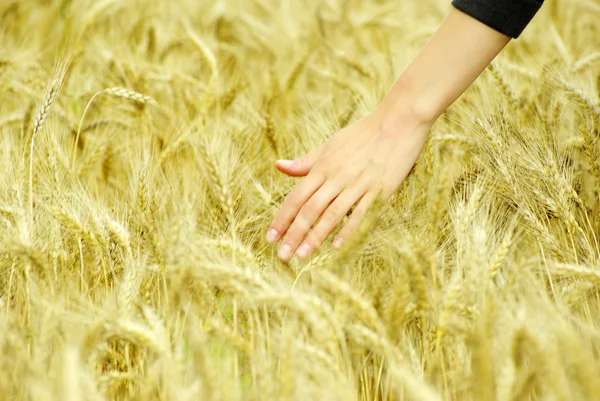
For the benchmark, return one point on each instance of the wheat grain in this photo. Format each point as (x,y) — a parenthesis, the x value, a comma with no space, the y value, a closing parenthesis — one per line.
(270,133)
(132,95)
(502,251)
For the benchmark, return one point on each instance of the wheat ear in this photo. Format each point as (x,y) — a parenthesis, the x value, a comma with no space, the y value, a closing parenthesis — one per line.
(117,92)
(40,119)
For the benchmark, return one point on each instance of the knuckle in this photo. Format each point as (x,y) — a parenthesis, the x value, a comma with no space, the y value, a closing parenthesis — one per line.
(279,222)
(334,212)
(345,177)
(302,223)
(293,201)
(343,173)
(307,211)
(292,237)
(324,159)
(320,232)
(317,173)
(357,213)
(318,235)
(367,176)
(315,240)
(320,200)
(313,208)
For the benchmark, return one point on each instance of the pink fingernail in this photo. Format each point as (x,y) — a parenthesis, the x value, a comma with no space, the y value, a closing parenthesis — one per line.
(285,252)
(272,235)
(303,250)
(338,242)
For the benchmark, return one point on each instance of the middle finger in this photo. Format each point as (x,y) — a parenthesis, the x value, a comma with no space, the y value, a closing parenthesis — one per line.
(307,216)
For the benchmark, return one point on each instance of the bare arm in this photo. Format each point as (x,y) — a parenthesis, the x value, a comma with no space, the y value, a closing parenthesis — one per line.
(452,59)
(377,152)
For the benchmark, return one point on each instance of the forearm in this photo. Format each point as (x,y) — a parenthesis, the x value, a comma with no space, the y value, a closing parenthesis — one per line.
(452,59)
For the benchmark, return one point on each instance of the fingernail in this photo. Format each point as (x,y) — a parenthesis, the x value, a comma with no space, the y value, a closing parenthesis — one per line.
(303,250)
(272,235)
(338,243)
(285,252)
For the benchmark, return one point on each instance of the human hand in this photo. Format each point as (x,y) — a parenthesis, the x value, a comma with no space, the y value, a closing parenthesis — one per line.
(379,151)
(369,155)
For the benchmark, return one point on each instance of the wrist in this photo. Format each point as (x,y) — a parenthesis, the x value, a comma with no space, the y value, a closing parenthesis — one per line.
(405,109)
(411,102)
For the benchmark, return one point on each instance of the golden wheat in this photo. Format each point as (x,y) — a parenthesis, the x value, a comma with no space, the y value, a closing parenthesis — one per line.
(138,180)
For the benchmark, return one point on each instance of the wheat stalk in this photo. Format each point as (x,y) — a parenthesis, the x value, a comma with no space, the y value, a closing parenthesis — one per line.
(205,51)
(117,92)
(340,288)
(40,119)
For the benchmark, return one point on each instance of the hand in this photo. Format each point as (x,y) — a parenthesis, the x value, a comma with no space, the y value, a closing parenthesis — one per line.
(379,151)
(350,168)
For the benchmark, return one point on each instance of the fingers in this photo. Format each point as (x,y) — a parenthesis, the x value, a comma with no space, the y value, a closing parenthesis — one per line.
(331,218)
(309,213)
(292,205)
(302,166)
(355,218)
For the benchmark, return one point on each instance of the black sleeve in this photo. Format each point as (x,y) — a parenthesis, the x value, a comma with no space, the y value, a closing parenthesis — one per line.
(509,17)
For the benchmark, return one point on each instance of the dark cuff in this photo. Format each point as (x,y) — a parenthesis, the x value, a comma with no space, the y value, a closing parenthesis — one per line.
(509,17)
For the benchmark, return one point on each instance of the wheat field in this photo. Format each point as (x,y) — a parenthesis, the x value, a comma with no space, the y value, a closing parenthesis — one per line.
(138,141)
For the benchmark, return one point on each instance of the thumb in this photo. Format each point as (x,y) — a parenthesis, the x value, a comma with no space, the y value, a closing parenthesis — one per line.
(299,167)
